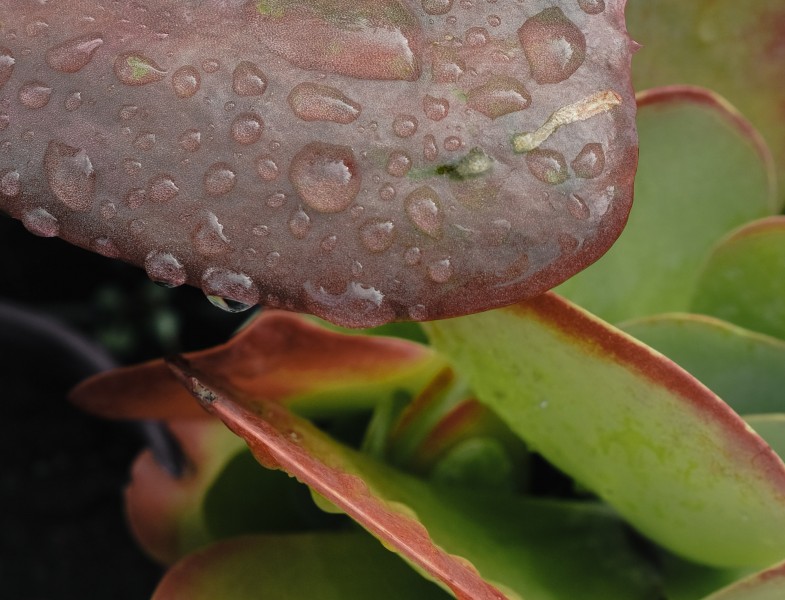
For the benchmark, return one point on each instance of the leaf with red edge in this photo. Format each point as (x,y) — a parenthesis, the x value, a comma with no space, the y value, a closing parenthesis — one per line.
(766,585)
(362,161)
(278,357)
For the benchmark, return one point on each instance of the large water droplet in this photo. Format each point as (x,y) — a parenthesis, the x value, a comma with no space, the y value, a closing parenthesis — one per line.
(208,238)
(398,163)
(248,80)
(164,269)
(548,166)
(312,102)
(299,224)
(70,174)
(162,189)
(435,108)
(592,7)
(423,208)
(219,179)
(10,183)
(326,176)
(553,45)
(447,66)
(377,235)
(186,81)
(35,94)
(136,69)
(501,95)
(7,62)
(590,162)
(74,54)
(247,128)
(229,290)
(41,222)
(437,7)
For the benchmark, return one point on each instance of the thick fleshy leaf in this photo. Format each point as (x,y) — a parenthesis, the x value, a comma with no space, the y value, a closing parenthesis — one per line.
(744,279)
(733,47)
(534,550)
(629,424)
(361,161)
(772,429)
(766,585)
(703,172)
(327,566)
(746,369)
(278,357)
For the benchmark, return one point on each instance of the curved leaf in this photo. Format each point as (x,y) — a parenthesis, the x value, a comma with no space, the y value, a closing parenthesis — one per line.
(766,585)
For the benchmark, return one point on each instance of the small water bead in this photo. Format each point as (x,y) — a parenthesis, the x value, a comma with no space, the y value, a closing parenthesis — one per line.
(248,80)
(500,95)
(418,312)
(437,7)
(137,69)
(300,224)
(377,235)
(186,81)
(476,37)
(74,54)
(398,163)
(208,238)
(272,259)
(230,106)
(447,66)
(105,247)
(229,290)
(5,121)
(494,20)
(128,112)
(145,141)
(135,198)
(430,150)
(137,227)
(590,162)
(247,128)
(164,269)
(554,47)
(405,126)
(357,268)
(440,271)
(191,140)
(387,192)
(275,200)
(132,166)
(41,222)
(412,256)
(548,166)
(261,230)
(36,28)
(162,189)
(73,101)
(70,175)
(108,211)
(435,109)
(325,176)
(452,143)
(423,208)
(219,179)
(592,7)
(7,63)
(210,65)
(499,231)
(267,168)
(35,94)
(10,183)
(329,243)
(578,208)
(313,102)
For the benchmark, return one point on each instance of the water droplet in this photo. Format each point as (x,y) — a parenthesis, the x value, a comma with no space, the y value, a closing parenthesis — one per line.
(248,80)
(452,143)
(377,235)
(501,95)
(272,259)
(430,151)
(73,102)
(553,45)
(437,7)
(578,207)
(435,109)
(275,200)
(326,176)
(10,183)
(132,166)
(145,141)
(137,227)
(70,175)
(494,20)
(7,62)
(261,230)
(41,222)
(387,192)
(105,247)
(247,128)
(74,54)
(447,66)
(357,268)
(108,211)
(405,125)
(211,65)
(36,28)
(186,81)
(328,244)
(312,102)
(219,179)
(398,163)
(128,112)
(208,238)
(191,140)
(136,69)
(5,121)
(548,166)
(440,271)
(500,231)
(266,168)
(299,224)
(476,37)
(229,290)
(161,189)
(164,269)
(423,208)
(35,94)
(592,7)
(135,198)
(590,162)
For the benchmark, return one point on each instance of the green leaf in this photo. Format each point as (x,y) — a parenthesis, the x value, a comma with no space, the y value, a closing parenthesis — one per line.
(327,566)
(629,424)
(766,585)
(744,279)
(701,173)
(772,429)
(744,368)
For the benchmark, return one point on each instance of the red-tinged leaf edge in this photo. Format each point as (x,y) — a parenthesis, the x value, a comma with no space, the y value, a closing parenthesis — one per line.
(759,583)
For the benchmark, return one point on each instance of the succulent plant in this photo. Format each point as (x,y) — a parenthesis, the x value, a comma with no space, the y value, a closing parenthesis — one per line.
(620,437)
